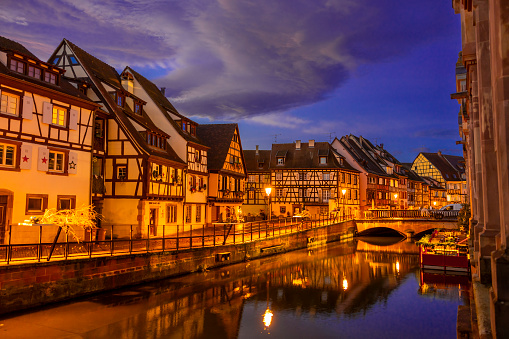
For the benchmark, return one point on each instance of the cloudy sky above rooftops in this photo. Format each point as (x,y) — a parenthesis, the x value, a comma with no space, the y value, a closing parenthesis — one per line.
(284,70)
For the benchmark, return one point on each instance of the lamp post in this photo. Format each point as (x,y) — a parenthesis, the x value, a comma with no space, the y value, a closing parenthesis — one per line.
(344,192)
(267,191)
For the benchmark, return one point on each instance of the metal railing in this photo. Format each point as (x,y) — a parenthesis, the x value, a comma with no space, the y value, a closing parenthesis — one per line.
(110,240)
(410,214)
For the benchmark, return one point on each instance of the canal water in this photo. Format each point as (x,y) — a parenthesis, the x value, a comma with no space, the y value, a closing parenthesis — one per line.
(370,288)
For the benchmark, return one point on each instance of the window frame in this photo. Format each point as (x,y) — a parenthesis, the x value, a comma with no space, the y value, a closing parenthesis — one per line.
(171,214)
(18,62)
(65,116)
(17,96)
(34,69)
(118,167)
(72,201)
(15,163)
(198,213)
(65,160)
(189,214)
(44,204)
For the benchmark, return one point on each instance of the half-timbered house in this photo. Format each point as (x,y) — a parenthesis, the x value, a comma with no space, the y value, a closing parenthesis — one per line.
(258,179)
(374,181)
(309,175)
(143,176)
(227,171)
(447,170)
(184,141)
(46,138)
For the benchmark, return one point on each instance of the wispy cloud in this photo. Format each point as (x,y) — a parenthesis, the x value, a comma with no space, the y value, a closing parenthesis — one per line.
(230,58)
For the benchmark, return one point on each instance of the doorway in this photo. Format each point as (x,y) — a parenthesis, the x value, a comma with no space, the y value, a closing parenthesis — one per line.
(153,222)
(3,217)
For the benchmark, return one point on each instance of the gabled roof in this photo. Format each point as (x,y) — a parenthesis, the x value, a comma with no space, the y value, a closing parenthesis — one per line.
(353,145)
(306,157)
(163,104)
(218,137)
(63,86)
(412,175)
(100,71)
(7,45)
(253,161)
(448,171)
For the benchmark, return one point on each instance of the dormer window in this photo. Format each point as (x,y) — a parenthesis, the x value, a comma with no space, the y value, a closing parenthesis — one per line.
(50,77)
(193,130)
(137,108)
(34,72)
(323,160)
(156,140)
(281,161)
(17,66)
(120,100)
(184,124)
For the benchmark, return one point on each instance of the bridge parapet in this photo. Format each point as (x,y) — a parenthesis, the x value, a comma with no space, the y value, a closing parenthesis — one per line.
(410,214)
(406,228)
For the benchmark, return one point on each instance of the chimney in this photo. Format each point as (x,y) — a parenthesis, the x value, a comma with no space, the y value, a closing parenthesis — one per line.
(311,143)
(439,153)
(257,149)
(297,144)
(382,146)
(163,90)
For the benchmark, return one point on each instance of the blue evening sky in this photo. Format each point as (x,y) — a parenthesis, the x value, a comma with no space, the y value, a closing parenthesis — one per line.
(283,70)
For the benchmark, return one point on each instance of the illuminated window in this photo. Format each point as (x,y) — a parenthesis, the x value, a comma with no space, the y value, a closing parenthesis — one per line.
(59,115)
(9,103)
(279,192)
(122,172)
(251,194)
(279,175)
(7,155)
(56,161)
(251,178)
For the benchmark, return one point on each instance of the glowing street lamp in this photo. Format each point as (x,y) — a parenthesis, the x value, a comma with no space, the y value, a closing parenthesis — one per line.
(396,200)
(267,191)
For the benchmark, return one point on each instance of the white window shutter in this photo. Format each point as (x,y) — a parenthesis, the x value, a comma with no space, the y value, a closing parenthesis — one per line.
(43,159)
(47,112)
(333,193)
(25,156)
(73,163)
(296,175)
(28,107)
(319,175)
(73,119)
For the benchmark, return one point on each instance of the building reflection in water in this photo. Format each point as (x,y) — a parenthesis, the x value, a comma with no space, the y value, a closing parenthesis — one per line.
(344,279)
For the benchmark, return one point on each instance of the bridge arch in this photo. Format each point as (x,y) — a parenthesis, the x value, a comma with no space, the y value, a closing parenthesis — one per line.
(407,228)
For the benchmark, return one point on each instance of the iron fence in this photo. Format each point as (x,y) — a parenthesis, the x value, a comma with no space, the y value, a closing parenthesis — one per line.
(110,240)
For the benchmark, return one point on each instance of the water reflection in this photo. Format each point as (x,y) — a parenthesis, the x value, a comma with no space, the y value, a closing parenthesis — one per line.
(355,289)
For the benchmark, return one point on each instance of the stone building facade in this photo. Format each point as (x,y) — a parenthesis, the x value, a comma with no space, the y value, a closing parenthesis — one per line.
(485,133)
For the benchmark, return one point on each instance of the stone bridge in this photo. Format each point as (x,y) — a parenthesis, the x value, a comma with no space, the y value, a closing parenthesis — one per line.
(407,228)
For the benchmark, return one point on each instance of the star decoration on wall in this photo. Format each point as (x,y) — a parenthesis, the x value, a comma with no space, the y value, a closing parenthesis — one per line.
(25,158)
(72,165)
(44,160)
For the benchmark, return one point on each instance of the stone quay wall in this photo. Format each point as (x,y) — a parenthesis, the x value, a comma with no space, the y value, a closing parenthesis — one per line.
(26,286)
